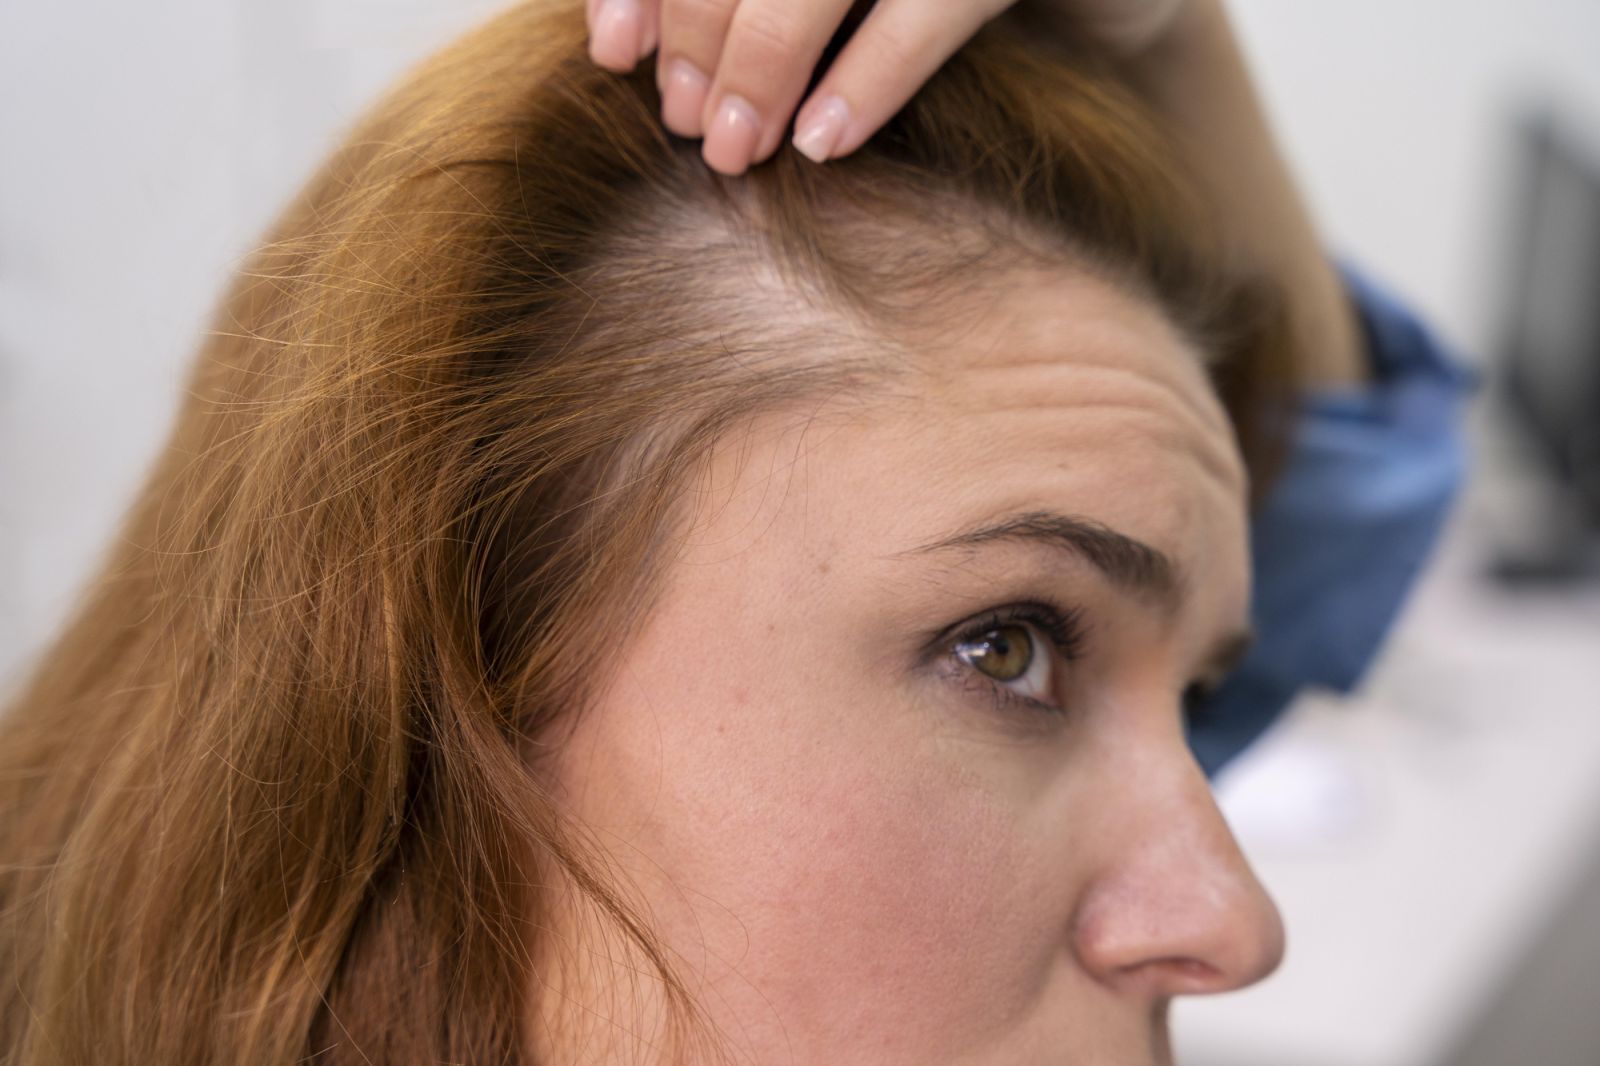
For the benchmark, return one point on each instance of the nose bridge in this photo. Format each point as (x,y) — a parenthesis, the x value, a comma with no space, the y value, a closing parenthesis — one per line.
(1174,907)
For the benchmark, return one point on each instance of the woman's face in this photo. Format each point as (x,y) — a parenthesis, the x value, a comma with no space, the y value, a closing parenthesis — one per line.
(897,768)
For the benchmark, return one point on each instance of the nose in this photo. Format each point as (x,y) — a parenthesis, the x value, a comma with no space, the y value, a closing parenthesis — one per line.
(1174,908)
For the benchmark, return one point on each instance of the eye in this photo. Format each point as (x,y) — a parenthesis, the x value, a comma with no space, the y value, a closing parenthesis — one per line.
(1008,653)
(1014,653)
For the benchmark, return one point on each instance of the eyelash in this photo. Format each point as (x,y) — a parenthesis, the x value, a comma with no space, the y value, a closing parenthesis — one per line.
(1064,629)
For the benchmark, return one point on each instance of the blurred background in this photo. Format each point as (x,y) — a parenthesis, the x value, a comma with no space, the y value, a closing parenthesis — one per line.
(1434,841)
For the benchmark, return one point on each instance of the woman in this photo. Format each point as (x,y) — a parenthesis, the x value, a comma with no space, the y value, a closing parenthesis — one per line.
(593,609)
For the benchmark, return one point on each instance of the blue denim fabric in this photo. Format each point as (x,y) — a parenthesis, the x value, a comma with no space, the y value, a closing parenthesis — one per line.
(1339,542)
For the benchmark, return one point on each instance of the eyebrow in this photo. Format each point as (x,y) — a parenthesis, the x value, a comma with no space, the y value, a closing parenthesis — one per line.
(1130,564)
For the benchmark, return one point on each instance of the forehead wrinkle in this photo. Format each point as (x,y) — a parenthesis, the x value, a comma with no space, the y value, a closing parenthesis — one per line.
(1175,378)
(1188,421)
(1148,377)
(1211,458)
(1089,401)
(1092,332)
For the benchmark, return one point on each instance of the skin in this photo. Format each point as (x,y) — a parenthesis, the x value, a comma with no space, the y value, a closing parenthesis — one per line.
(855,847)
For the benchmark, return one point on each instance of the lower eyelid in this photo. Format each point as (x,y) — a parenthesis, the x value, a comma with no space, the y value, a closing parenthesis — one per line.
(969,679)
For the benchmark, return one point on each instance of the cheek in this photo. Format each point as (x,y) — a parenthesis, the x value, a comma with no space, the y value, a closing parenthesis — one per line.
(846,882)
(897,906)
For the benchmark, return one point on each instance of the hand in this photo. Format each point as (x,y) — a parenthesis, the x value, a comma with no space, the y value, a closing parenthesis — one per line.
(733,71)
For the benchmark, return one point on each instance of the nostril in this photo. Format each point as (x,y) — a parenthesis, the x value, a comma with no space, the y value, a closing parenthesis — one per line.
(1193,969)
(1166,978)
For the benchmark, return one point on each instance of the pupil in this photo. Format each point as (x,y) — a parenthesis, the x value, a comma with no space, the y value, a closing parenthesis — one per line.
(1004,654)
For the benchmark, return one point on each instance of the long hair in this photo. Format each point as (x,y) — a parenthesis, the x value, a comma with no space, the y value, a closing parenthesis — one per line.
(269,795)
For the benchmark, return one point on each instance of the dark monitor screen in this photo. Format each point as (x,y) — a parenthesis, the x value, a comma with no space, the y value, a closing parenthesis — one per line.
(1552,349)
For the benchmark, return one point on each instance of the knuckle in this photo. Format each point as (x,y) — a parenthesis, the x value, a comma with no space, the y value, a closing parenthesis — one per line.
(767,58)
(699,22)
(769,36)
(896,47)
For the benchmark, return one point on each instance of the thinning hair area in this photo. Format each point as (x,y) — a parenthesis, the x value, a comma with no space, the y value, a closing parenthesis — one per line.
(271,793)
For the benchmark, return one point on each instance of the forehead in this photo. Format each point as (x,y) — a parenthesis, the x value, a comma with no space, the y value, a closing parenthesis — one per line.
(1047,389)
(1064,382)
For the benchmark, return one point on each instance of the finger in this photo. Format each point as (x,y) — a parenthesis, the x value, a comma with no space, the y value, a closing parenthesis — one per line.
(620,31)
(651,33)
(692,32)
(894,52)
(772,47)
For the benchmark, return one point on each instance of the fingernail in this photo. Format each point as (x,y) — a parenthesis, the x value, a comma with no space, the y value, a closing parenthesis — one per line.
(731,140)
(614,41)
(818,132)
(683,97)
